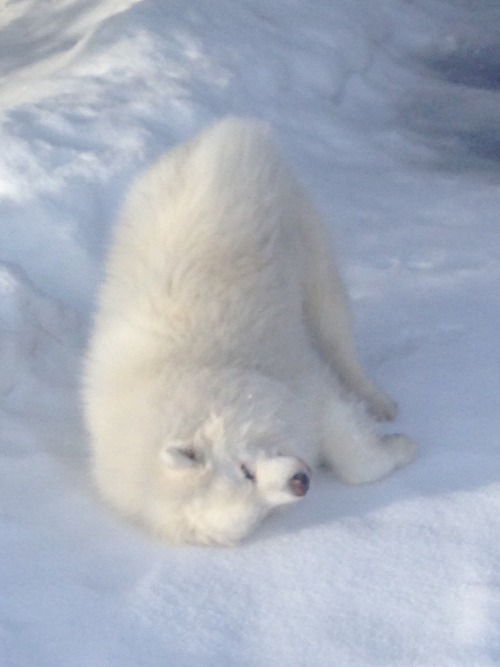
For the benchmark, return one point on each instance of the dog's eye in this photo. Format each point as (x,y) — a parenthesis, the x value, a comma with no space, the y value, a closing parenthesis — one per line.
(247,472)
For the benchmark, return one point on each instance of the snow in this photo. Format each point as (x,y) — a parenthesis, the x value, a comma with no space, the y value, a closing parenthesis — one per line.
(389,112)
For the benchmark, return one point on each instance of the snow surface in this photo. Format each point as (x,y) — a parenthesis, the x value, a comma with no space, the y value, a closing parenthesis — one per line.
(390,112)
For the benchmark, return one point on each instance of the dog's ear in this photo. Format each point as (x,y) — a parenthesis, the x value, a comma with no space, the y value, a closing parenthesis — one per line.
(180,455)
(190,454)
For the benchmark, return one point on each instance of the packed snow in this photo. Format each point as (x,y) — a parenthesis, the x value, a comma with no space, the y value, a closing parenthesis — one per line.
(389,111)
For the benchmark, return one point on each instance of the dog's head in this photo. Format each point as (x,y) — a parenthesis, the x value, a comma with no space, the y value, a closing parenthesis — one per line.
(216,487)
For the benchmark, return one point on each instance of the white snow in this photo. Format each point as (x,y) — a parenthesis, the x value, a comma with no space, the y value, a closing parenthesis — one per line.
(390,112)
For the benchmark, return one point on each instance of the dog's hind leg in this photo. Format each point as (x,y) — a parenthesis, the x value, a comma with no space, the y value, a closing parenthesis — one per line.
(327,313)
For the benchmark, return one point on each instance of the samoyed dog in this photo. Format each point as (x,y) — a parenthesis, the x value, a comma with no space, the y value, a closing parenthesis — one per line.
(222,364)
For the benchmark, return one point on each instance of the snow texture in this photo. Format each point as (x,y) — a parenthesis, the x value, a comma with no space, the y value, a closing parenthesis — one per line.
(390,113)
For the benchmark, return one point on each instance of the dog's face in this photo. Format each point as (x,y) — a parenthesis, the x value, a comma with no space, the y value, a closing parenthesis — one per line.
(223,490)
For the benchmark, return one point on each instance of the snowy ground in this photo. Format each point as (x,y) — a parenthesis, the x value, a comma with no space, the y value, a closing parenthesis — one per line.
(390,112)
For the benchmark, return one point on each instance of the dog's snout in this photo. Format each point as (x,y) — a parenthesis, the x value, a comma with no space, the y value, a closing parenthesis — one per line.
(299,484)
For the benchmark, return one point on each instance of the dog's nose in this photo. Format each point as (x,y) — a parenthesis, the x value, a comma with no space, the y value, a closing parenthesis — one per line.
(299,484)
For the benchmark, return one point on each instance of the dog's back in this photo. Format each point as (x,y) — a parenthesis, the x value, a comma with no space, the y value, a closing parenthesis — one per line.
(205,255)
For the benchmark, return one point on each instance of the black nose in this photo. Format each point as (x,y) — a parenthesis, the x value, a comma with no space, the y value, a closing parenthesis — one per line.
(299,484)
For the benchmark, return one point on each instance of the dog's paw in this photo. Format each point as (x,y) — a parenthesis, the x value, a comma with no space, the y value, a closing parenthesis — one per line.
(381,406)
(403,450)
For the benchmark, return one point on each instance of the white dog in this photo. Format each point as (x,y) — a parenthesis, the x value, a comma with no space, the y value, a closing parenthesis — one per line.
(222,363)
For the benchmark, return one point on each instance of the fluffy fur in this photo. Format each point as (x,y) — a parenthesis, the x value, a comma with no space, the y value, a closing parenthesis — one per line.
(222,363)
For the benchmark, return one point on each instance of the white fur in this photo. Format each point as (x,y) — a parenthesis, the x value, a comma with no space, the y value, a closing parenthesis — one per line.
(222,354)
